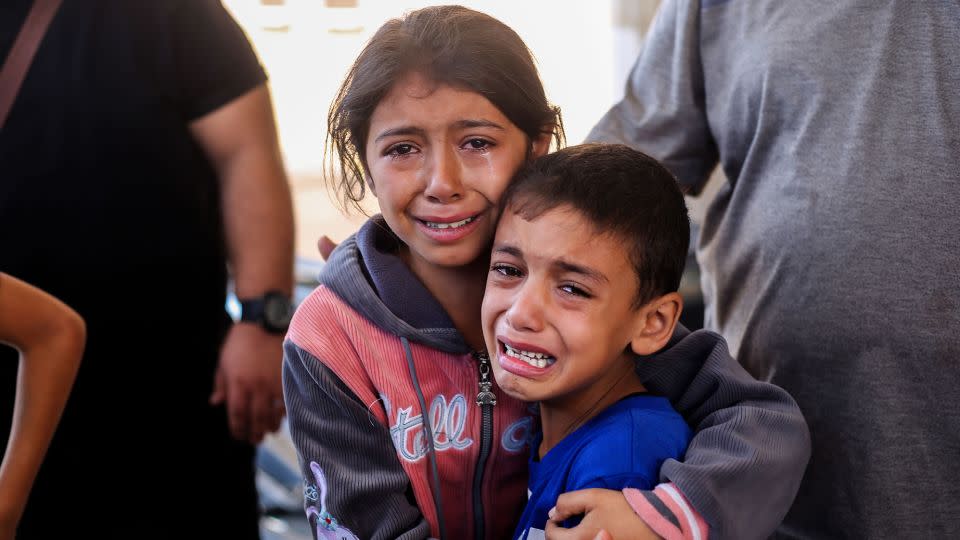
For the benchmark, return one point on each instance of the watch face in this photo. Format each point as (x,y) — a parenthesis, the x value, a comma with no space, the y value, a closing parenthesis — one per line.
(277,311)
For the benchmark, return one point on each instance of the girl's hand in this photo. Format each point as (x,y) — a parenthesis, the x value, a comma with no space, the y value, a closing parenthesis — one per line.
(606,516)
(325,246)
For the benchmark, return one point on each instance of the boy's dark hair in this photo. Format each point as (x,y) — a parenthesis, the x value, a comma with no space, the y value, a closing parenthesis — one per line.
(449,45)
(623,193)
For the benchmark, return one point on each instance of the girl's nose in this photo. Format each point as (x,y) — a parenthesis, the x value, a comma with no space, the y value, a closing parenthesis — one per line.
(444,183)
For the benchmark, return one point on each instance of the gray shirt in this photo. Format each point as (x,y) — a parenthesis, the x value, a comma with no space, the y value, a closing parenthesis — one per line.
(831,257)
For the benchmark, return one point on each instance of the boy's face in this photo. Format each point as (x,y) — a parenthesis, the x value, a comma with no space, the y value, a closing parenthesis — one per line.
(558,312)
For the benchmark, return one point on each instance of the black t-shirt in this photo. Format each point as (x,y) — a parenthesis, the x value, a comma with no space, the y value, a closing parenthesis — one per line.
(106,200)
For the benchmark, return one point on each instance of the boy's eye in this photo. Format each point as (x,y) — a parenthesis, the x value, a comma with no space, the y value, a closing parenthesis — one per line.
(576,291)
(506,270)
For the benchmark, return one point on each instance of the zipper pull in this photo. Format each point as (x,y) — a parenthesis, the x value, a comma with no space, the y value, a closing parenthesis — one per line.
(485,396)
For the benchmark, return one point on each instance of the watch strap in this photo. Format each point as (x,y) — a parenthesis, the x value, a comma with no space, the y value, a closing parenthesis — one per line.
(252,310)
(263,311)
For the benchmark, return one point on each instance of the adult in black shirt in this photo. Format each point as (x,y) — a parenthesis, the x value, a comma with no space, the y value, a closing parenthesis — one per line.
(139,157)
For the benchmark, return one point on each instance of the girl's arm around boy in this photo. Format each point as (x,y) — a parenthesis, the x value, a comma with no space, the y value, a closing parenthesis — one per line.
(743,467)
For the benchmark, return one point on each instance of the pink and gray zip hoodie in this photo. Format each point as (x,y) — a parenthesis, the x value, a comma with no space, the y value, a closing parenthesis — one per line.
(371,352)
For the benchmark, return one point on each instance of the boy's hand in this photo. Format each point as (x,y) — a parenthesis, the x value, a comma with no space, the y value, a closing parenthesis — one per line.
(606,516)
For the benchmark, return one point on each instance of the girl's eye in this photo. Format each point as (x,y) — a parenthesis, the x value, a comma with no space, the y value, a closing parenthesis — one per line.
(506,270)
(479,144)
(575,291)
(400,149)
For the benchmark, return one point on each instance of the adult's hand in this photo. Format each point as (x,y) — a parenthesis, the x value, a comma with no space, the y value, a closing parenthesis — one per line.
(325,246)
(606,516)
(249,381)
(240,139)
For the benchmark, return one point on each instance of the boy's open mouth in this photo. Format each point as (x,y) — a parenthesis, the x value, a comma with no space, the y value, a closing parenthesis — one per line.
(535,359)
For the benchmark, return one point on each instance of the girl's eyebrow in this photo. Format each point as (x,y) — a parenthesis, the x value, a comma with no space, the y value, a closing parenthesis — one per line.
(420,132)
(475,123)
(402,130)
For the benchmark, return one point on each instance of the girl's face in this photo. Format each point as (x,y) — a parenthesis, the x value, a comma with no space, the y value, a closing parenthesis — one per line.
(439,158)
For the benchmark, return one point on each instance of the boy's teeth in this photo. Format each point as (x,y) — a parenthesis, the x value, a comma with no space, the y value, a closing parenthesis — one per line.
(454,225)
(535,359)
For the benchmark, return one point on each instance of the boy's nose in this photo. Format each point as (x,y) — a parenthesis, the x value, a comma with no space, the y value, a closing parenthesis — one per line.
(444,183)
(526,312)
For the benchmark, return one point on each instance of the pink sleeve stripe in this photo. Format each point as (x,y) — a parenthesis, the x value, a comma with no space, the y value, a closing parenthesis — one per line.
(666,511)
(332,332)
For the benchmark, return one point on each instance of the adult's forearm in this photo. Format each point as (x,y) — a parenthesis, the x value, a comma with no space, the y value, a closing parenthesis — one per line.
(240,138)
(258,222)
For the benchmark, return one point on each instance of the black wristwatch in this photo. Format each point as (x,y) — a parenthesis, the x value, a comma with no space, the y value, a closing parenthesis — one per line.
(272,311)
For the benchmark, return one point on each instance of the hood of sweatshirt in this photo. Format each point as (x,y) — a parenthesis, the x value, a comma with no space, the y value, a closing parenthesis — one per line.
(367,273)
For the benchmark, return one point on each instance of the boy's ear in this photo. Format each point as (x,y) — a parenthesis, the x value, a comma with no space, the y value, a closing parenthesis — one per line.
(541,145)
(656,322)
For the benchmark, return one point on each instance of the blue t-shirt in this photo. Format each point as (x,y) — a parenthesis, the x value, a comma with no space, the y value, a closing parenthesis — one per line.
(623,446)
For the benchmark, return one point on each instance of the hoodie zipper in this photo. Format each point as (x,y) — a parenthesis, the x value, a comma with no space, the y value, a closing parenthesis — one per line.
(486,399)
